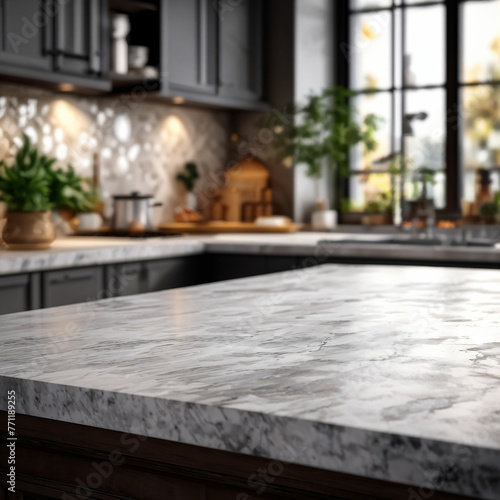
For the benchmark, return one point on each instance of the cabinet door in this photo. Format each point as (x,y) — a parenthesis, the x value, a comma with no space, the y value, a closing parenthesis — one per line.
(189,46)
(128,279)
(14,293)
(171,273)
(240,50)
(72,286)
(227,267)
(80,37)
(26,29)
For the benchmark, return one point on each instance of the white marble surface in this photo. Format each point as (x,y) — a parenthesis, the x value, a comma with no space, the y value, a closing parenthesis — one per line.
(79,251)
(82,251)
(384,372)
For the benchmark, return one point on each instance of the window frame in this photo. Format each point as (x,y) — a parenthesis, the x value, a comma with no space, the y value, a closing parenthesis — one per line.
(452,86)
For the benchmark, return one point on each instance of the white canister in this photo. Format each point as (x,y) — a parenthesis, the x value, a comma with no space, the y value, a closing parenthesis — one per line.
(324,220)
(89,221)
(120,24)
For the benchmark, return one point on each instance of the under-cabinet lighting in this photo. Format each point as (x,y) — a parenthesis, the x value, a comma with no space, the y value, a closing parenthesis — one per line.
(66,87)
(178,100)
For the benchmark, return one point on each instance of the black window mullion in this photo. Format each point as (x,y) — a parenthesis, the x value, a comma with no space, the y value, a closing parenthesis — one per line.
(393,78)
(342,23)
(453,163)
(402,177)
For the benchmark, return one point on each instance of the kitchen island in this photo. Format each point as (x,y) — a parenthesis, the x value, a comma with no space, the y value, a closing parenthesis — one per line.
(336,381)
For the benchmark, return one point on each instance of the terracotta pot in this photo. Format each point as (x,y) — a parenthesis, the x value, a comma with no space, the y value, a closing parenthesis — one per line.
(28,230)
(375,219)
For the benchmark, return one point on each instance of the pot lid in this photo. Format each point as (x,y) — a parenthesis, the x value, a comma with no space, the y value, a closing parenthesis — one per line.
(134,195)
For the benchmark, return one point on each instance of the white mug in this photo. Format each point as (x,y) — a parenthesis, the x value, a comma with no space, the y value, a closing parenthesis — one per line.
(324,220)
(89,221)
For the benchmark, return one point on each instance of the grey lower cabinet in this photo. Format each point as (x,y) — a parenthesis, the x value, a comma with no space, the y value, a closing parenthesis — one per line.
(230,266)
(154,275)
(19,292)
(72,286)
(23,292)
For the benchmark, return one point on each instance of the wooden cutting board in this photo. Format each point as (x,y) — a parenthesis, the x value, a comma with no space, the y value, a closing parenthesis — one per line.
(224,227)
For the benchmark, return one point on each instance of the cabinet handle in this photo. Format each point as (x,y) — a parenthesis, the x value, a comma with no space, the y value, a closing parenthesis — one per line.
(68,277)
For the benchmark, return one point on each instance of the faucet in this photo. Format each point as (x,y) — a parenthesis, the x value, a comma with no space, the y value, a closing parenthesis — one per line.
(430,227)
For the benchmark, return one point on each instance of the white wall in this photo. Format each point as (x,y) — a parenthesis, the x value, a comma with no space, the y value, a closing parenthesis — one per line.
(313,72)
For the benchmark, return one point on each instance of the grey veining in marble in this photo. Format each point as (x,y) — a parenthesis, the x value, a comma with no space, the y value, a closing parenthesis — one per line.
(385,372)
(78,251)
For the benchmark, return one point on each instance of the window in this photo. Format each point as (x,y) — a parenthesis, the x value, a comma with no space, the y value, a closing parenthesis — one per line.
(431,70)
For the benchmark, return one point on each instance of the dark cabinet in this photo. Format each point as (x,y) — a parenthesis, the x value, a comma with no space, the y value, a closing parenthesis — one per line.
(189,46)
(154,275)
(240,51)
(212,51)
(81,38)
(26,34)
(229,266)
(58,42)
(72,286)
(172,273)
(127,279)
(20,292)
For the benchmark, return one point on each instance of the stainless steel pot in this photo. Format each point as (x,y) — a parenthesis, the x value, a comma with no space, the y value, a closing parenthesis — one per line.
(133,210)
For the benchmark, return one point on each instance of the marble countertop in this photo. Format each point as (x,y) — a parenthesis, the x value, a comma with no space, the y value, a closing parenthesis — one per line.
(383,372)
(87,251)
(78,251)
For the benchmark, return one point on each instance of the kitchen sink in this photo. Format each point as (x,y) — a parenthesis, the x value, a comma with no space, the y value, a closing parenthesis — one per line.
(415,241)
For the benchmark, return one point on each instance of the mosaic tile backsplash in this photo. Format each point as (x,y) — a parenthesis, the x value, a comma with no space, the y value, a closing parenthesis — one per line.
(142,145)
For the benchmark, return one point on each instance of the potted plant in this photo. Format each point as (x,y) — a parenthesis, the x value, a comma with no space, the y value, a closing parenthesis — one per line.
(489,211)
(378,211)
(76,198)
(26,189)
(324,130)
(188,178)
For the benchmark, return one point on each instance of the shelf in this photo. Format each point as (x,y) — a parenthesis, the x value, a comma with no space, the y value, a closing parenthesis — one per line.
(131,6)
(129,82)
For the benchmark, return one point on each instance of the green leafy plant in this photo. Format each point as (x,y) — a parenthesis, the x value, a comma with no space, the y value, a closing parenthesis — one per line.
(380,205)
(489,208)
(31,184)
(189,176)
(69,190)
(325,129)
(26,185)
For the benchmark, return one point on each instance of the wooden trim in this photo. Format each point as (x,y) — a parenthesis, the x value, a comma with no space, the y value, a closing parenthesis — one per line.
(54,458)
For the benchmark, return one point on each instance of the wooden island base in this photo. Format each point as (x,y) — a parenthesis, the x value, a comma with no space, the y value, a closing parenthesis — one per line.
(58,460)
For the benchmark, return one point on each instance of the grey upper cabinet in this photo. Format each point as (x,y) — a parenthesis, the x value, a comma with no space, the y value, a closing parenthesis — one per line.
(58,42)
(189,46)
(81,38)
(240,50)
(26,34)
(211,51)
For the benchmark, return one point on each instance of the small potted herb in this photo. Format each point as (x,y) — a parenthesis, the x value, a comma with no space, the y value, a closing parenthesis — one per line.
(75,197)
(378,211)
(188,178)
(489,211)
(26,189)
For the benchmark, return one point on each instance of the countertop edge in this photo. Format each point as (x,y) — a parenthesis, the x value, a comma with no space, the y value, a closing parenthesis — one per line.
(396,458)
